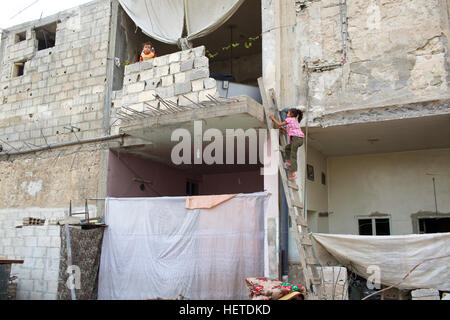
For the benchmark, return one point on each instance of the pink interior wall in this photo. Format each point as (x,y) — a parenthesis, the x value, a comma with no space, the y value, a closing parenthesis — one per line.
(239,182)
(168,181)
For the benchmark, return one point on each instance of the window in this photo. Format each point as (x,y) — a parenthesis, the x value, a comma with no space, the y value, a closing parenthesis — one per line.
(434,225)
(324,179)
(19,68)
(374,226)
(191,188)
(310,172)
(46,36)
(20,37)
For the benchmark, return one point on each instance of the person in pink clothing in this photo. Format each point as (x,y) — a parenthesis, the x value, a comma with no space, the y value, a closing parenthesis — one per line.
(296,136)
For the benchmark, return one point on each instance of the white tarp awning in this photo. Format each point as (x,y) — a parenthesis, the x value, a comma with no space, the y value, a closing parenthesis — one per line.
(155,247)
(395,256)
(164,20)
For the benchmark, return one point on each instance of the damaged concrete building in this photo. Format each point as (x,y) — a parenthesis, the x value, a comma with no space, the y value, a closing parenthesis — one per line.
(80,121)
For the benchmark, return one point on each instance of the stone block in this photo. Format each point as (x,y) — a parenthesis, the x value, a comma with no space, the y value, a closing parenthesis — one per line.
(199,51)
(145,65)
(166,92)
(186,65)
(131,68)
(147,95)
(188,99)
(152,83)
(167,80)
(136,87)
(147,74)
(175,67)
(202,96)
(182,88)
(174,57)
(160,61)
(210,83)
(187,55)
(199,74)
(181,77)
(197,85)
(201,62)
(425,294)
(161,71)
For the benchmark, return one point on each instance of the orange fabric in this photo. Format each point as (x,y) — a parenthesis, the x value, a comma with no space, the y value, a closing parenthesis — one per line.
(207,202)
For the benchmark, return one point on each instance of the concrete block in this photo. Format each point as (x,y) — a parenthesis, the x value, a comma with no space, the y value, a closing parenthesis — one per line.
(36,295)
(186,65)
(145,65)
(136,87)
(210,83)
(147,96)
(44,241)
(131,68)
(199,74)
(184,100)
(425,294)
(203,94)
(166,92)
(197,85)
(160,61)
(175,67)
(152,83)
(147,74)
(181,77)
(182,88)
(161,71)
(31,241)
(49,296)
(53,253)
(39,252)
(55,242)
(199,51)
(187,55)
(201,62)
(51,275)
(167,80)
(25,285)
(174,57)
(37,274)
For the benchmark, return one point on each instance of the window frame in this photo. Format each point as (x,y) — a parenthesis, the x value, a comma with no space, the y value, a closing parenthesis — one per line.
(374,225)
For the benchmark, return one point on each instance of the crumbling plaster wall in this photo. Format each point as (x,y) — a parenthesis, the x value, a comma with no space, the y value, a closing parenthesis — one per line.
(397,52)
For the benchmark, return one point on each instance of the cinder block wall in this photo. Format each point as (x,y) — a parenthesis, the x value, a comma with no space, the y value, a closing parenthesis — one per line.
(61,86)
(181,77)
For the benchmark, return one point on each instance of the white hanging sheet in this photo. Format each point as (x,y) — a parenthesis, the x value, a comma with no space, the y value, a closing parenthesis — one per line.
(155,247)
(203,17)
(164,20)
(395,256)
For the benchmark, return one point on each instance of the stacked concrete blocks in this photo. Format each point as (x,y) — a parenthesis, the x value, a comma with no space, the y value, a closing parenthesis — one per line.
(181,77)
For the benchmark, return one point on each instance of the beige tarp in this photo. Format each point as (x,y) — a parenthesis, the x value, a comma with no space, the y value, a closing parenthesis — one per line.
(164,20)
(395,256)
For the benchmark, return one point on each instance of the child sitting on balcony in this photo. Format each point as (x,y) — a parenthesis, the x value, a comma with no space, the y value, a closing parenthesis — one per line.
(292,123)
(148,52)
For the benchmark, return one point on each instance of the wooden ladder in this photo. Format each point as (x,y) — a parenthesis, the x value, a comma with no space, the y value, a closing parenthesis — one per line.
(313,281)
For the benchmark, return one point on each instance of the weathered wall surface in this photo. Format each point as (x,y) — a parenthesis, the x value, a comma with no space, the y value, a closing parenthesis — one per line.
(41,186)
(396,51)
(61,86)
(399,184)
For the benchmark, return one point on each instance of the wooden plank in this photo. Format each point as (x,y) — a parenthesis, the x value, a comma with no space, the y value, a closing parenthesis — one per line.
(6,261)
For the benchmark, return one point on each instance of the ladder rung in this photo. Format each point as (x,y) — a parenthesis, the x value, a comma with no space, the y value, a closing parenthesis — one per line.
(292,185)
(307,242)
(311,261)
(316,281)
(297,203)
(300,221)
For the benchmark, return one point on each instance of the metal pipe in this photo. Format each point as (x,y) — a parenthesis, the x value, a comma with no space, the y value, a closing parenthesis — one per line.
(64,144)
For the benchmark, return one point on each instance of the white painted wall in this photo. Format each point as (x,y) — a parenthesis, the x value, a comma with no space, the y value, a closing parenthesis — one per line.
(399,184)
